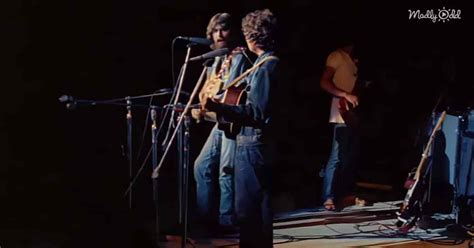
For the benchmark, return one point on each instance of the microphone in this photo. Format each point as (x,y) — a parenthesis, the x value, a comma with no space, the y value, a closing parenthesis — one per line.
(197,40)
(69,100)
(66,98)
(208,63)
(211,54)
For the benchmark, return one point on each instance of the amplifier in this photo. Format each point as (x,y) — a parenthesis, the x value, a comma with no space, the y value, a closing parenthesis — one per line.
(470,122)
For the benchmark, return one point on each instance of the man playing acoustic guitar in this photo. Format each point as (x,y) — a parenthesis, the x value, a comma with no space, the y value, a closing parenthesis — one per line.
(215,160)
(255,141)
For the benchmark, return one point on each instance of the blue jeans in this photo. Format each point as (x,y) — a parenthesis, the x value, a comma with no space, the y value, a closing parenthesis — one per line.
(253,191)
(217,154)
(339,177)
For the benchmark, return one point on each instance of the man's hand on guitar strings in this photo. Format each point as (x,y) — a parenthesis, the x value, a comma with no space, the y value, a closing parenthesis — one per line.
(353,99)
(196,114)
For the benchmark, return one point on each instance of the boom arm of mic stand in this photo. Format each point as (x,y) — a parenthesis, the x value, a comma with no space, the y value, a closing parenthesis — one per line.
(70,100)
(178,91)
(180,121)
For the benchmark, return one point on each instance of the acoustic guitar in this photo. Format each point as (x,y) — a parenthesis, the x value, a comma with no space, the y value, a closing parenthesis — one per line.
(235,94)
(209,90)
(213,87)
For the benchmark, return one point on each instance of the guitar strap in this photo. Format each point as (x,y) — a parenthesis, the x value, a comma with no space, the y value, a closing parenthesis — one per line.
(223,70)
(250,70)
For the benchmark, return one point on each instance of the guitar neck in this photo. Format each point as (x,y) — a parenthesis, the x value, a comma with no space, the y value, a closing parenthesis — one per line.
(247,72)
(424,156)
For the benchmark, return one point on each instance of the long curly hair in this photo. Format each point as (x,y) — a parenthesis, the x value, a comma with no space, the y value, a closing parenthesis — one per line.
(261,27)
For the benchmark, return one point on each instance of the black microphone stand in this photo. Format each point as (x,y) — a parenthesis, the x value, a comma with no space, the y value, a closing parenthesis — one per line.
(127,102)
(183,172)
(178,90)
(154,159)
(183,151)
(129,146)
(72,103)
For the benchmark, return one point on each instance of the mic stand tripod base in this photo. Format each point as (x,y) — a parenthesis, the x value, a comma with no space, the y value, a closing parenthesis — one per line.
(457,231)
(179,240)
(429,222)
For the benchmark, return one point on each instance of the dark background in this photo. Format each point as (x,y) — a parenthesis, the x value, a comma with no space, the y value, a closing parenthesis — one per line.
(63,173)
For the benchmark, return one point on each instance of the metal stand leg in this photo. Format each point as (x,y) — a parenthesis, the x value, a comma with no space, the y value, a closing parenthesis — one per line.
(458,195)
(183,151)
(155,180)
(129,148)
(187,122)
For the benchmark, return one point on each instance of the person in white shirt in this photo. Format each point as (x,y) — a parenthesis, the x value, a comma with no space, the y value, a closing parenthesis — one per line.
(339,79)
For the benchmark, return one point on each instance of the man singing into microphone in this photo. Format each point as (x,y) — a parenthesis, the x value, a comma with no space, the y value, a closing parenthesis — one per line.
(215,160)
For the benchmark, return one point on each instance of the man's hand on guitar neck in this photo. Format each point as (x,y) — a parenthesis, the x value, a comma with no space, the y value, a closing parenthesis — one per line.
(212,104)
(203,115)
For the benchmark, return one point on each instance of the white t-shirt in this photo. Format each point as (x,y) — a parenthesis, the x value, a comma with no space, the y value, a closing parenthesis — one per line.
(344,78)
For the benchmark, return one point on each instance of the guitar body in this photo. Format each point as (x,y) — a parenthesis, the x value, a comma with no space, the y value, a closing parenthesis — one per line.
(349,113)
(209,90)
(234,95)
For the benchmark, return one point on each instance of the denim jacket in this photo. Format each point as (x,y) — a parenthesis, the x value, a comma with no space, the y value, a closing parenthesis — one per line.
(255,114)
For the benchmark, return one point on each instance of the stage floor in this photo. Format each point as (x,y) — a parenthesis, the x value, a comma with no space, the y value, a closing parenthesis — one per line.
(370,226)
